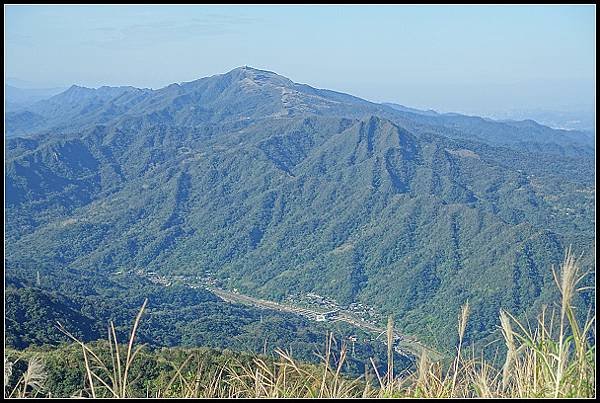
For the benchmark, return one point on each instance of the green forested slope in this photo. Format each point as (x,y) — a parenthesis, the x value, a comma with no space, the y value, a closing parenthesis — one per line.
(282,189)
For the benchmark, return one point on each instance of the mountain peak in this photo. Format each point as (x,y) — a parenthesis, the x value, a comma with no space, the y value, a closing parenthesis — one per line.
(74,92)
(259,77)
(252,70)
(77,88)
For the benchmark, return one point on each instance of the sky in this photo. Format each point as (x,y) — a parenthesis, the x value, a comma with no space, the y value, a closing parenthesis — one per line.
(470,59)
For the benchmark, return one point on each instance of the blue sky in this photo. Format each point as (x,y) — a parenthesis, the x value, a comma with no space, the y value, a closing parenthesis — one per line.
(450,58)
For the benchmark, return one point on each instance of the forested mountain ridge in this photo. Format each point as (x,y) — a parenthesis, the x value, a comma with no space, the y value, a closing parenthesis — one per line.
(246,93)
(282,189)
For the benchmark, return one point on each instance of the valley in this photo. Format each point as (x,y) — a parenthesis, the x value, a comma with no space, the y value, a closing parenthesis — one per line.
(255,201)
(311,306)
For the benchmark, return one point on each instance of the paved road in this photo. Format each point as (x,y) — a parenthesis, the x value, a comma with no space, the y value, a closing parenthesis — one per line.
(407,344)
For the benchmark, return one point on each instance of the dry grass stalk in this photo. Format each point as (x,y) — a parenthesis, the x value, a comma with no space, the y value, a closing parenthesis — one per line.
(554,359)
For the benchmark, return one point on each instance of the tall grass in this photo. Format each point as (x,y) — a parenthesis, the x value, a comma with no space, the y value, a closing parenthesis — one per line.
(31,382)
(555,358)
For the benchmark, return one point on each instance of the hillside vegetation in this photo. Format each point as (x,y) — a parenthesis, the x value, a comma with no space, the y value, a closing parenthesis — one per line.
(554,358)
(279,189)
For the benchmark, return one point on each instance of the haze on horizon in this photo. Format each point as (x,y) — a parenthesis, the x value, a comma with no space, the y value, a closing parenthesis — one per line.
(471,59)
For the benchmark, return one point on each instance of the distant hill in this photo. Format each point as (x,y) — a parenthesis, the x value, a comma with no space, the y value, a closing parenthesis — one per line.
(19,98)
(281,189)
(582,119)
(403,108)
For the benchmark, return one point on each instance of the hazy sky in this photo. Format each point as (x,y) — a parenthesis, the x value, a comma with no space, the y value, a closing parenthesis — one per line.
(450,58)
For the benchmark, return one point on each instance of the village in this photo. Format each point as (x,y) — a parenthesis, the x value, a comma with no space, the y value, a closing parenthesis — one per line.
(311,305)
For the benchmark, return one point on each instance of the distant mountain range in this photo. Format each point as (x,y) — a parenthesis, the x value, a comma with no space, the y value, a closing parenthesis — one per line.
(403,108)
(18,98)
(281,188)
(583,119)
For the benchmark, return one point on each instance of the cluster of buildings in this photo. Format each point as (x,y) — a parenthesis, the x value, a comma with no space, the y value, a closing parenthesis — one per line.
(314,300)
